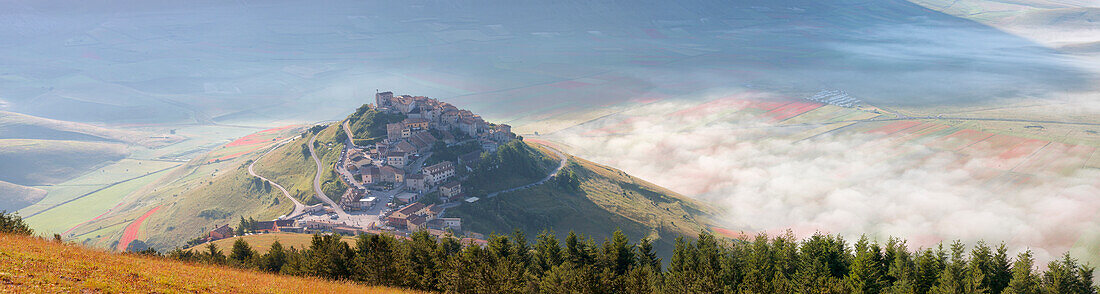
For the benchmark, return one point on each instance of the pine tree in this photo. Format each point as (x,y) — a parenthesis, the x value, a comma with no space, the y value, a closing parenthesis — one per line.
(242,227)
(1066,276)
(759,267)
(866,273)
(213,255)
(622,252)
(902,270)
(680,276)
(242,254)
(274,259)
(950,280)
(647,256)
(577,250)
(329,257)
(419,261)
(11,223)
(375,261)
(930,263)
(1023,280)
(548,253)
(1000,270)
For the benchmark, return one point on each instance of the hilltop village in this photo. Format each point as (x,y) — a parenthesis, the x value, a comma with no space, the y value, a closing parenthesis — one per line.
(394,183)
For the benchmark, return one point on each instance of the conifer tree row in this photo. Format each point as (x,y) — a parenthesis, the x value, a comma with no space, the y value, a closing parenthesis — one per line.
(780,264)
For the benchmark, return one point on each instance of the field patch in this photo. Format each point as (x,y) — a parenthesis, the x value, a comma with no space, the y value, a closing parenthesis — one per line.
(249,143)
(131,232)
(791,110)
(62,218)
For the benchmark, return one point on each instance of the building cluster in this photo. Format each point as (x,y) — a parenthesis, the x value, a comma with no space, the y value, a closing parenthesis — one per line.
(281,225)
(396,162)
(417,216)
(427,122)
(426,113)
(836,98)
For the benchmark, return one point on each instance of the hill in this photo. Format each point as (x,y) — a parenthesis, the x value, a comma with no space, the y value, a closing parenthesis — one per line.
(603,200)
(21,126)
(14,197)
(52,161)
(29,264)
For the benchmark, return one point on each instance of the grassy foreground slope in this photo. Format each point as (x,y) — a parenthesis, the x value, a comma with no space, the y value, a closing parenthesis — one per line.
(606,199)
(29,264)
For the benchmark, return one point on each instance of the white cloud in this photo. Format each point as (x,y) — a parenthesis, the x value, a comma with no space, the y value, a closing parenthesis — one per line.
(847,183)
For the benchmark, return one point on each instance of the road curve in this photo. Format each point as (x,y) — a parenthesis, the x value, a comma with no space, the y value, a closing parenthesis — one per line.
(317,180)
(299,208)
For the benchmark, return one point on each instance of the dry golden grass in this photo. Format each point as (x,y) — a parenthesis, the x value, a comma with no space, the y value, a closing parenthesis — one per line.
(32,265)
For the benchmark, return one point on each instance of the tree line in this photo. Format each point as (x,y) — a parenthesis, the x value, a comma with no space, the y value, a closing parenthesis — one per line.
(779,264)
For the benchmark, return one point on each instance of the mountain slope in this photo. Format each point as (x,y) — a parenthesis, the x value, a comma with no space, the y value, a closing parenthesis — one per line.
(210,190)
(29,264)
(607,199)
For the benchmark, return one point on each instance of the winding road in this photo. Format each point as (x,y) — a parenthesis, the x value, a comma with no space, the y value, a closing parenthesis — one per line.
(317,181)
(299,208)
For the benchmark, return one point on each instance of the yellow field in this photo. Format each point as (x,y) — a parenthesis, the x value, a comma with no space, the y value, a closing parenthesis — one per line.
(32,265)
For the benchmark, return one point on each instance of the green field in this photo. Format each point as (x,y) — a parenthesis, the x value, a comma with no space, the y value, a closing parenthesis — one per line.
(183,191)
(61,218)
(120,171)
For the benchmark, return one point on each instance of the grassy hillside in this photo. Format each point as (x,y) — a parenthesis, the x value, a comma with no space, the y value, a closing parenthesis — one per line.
(13,197)
(369,126)
(34,265)
(192,199)
(36,162)
(291,167)
(606,199)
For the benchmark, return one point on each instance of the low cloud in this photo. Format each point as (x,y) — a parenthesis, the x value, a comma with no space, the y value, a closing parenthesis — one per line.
(847,183)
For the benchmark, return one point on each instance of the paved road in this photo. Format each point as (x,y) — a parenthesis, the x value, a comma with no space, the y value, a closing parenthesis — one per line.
(317,180)
(299,208)
(561,164)
(347,131)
